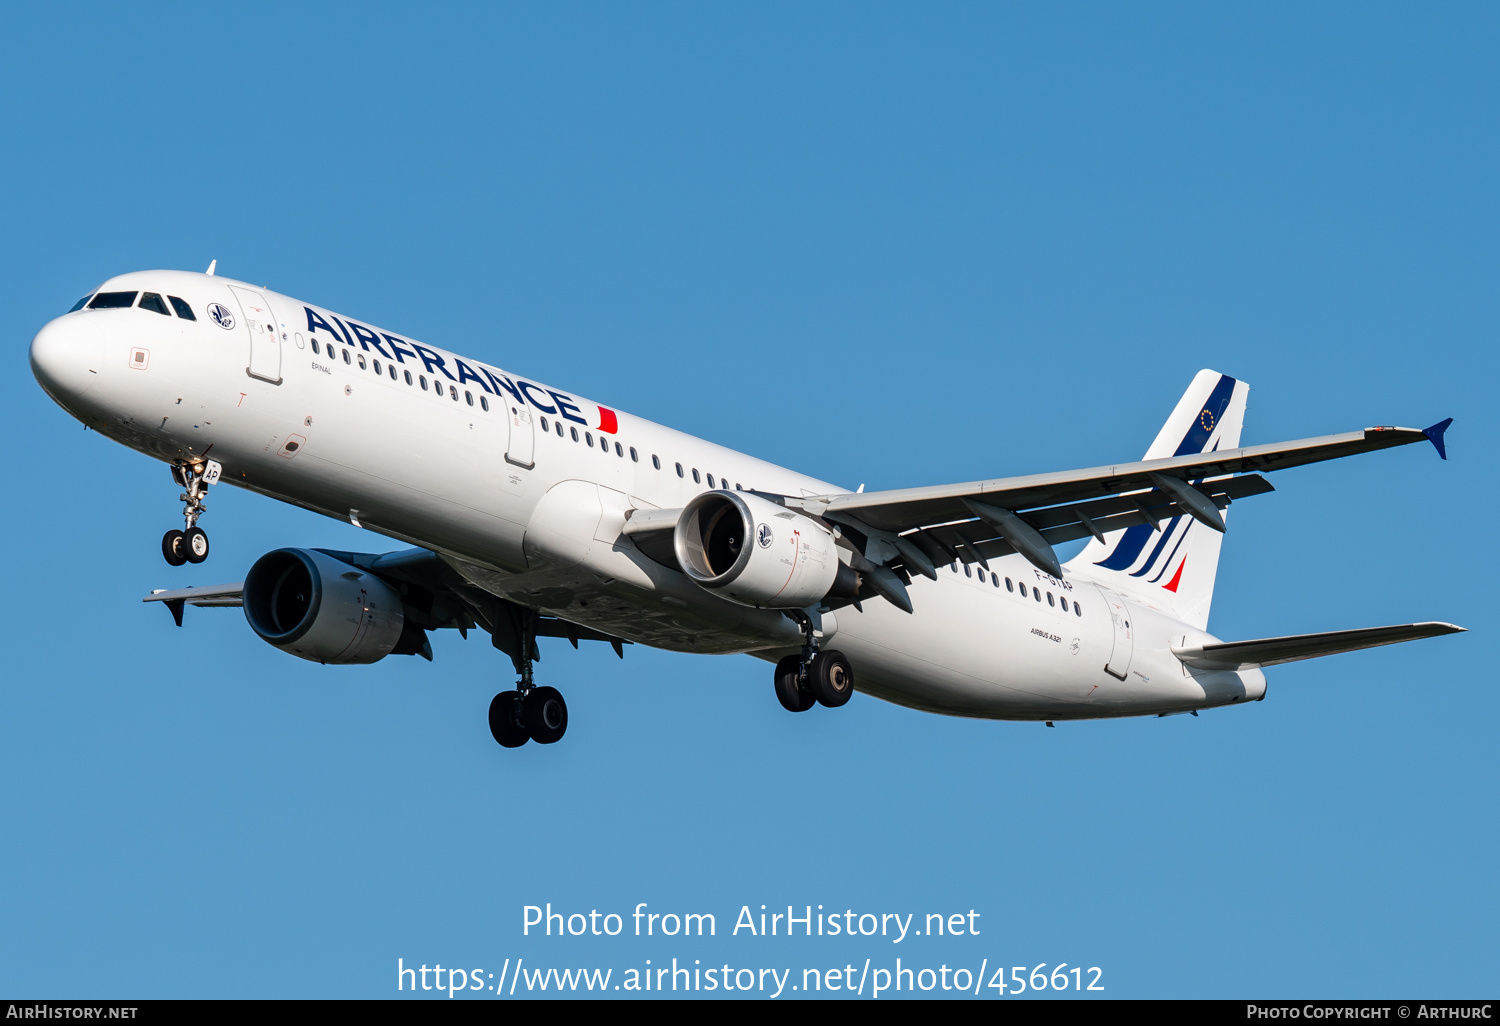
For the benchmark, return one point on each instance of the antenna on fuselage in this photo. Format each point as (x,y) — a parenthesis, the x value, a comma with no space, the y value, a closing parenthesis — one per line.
(211,265)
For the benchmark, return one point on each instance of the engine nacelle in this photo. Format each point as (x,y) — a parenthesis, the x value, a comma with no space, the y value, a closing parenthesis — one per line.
(314,606)
(755,552)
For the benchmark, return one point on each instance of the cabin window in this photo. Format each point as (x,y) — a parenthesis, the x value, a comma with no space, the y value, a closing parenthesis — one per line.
(315,347)
(575,433)
(656,461)
(1077,609)
(696,478)
(558,425)
(484,403)
(545,426)
(151,301)
(979,574)
(620,450)
(377,367)
(422,378)
(679,470)
(968,572)
(1023,591)
(361,358)
(1036,593)
(1008,585)
(453,393)
(995,580)
(468,397)
(711,481)
(113,300)
(392,368)
(346,357)
(1049,599)
(588,439)
(183,310)
(79,305)
(408,376)
(633,457)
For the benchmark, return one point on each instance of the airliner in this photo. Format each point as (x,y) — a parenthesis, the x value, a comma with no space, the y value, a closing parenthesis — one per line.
(528,511)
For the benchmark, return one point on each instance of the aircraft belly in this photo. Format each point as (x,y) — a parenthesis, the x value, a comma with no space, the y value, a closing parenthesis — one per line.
(975,651)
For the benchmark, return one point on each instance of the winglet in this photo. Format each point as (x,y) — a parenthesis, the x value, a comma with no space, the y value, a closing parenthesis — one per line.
(1435,435)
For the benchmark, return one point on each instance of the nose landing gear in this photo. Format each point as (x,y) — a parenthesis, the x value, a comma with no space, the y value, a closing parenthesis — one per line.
(190,545)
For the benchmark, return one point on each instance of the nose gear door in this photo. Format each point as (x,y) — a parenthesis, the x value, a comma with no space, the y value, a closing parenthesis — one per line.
(265,335)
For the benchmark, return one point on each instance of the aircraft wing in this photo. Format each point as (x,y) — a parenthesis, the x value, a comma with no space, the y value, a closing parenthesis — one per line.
(980,519)
(1249,655)
(209,595)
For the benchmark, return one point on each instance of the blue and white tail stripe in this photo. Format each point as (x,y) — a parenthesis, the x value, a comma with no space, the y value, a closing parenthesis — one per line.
(1154,563)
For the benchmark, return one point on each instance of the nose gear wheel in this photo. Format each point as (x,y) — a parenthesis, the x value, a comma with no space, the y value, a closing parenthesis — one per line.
(191,544)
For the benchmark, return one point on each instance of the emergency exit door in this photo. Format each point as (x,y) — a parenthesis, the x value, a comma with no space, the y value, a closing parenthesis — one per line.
(522,445)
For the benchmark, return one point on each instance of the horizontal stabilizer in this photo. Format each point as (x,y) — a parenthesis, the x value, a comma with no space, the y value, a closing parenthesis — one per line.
(1249,655)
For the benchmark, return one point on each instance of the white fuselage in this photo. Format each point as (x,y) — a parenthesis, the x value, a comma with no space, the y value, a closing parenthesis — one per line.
(438,470)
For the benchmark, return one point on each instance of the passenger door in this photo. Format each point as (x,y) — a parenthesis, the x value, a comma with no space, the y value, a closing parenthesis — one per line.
(265,335)
(1124,635)
(522,447)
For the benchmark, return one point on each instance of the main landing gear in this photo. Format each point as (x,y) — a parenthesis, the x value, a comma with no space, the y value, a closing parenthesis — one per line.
(814,677)
(529,713)
(190,545)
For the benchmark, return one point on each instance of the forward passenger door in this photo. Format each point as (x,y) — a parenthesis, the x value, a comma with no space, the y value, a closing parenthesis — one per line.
(265,335)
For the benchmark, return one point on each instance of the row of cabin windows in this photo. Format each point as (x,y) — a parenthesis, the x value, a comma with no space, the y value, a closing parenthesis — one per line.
(125,300)
(1012,586)
(389,369)
(635,457)
(335,352)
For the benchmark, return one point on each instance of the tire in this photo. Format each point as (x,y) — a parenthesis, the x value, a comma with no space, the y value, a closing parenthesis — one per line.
(172,548)
(505,720)
(195,545)
(831,679)
(792,695)
(546,715)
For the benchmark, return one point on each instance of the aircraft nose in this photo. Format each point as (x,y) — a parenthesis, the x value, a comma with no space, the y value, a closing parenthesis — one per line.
(66,356)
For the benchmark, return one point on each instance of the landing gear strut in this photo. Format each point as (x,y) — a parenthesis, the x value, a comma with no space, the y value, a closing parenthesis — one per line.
(529,713)
(814,677)
(190,545)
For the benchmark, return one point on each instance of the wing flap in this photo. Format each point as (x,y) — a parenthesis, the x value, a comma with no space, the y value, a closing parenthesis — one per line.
(1249,655)
(969,539)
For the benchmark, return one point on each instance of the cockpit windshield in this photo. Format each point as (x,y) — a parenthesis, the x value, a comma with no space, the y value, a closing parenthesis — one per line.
(79,305)
(112,300)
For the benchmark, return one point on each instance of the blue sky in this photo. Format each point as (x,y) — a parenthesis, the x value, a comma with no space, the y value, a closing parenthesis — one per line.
(884,244)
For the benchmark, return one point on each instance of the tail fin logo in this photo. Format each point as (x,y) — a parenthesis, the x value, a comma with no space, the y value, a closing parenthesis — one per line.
(1207,419)
(1177,577)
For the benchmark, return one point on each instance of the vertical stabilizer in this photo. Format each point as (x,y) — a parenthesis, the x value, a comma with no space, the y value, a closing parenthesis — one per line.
(1174,567)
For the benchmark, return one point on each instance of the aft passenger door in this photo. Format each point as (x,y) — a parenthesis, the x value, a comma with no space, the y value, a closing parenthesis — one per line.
(265,336)
(522,447)
(1124,635)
